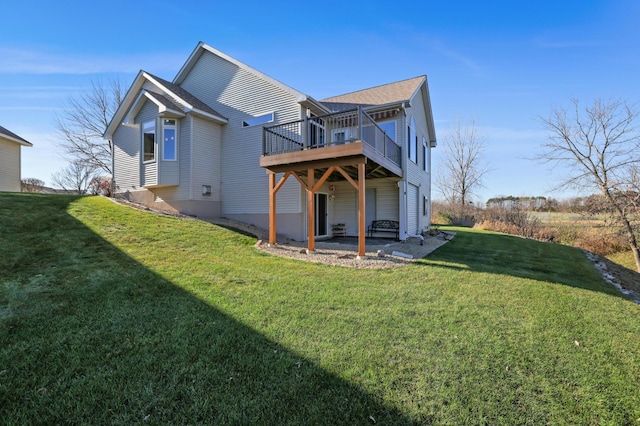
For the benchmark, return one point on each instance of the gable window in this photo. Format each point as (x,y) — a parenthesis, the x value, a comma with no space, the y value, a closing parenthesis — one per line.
(169,140)
(389,127)
(412,141)
(149,140)
(261,119)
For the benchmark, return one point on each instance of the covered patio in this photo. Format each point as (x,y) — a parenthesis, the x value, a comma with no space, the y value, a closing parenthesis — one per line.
(347,146)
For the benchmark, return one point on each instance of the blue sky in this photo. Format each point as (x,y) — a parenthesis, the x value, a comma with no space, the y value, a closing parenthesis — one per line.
(500,63)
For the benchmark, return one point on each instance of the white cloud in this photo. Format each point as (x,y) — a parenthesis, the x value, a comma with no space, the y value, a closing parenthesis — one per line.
(29,61)
(451,53)
(549,43)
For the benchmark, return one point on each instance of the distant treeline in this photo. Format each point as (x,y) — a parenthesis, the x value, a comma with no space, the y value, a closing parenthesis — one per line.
(589,204)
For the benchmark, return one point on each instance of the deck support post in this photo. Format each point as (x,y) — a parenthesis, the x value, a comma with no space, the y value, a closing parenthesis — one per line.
(311,210)
(273,190)
(272,208)
(361,211)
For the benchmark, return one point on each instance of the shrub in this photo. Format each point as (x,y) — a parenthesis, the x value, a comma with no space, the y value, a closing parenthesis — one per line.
(455,214)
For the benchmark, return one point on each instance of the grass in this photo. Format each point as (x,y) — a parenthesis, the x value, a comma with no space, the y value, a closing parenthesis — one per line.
(113,315)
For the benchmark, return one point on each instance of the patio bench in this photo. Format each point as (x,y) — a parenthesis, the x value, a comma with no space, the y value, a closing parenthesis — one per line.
(384,226)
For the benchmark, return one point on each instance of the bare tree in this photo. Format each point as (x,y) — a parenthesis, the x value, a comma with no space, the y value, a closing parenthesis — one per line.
(83,121)
(463,167)
(600,147)
(32,185)
(75,177)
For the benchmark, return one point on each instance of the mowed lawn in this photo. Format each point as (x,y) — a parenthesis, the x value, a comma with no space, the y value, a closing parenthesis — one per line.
(110,315)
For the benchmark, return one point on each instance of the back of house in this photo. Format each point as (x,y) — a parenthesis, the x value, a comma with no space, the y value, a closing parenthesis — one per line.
(202,145)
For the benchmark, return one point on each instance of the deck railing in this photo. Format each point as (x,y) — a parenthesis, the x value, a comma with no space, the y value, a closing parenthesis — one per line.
(329,130)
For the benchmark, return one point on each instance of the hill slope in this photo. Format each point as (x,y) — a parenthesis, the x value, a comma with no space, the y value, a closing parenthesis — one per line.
(113,315)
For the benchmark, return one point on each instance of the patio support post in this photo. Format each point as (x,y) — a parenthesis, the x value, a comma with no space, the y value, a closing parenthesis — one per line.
(361,211)
(311,210)
(272,208)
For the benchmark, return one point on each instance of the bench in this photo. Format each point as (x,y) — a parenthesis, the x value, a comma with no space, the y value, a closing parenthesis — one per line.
(385,226)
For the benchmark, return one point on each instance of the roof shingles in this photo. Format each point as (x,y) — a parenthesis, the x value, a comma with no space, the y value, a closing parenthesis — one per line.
(386,94)
(186,96)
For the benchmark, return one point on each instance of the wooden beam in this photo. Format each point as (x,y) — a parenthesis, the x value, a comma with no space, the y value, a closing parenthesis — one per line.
(318,164)
(347,177)
(361,211)
(272,208)
(308,155)
(323,179)
(311,211)
(273,190)
(282,181)
(303,183)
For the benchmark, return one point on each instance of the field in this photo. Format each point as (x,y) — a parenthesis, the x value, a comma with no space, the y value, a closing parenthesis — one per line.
(110,315)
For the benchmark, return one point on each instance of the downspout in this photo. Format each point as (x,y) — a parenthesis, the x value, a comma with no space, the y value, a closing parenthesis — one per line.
(190,157)
(402,184)
(113,168)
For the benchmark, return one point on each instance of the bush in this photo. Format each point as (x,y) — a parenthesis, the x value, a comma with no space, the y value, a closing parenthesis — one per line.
(455,214)
(601,241)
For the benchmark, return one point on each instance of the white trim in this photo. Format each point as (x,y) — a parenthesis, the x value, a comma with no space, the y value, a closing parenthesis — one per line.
(12,139)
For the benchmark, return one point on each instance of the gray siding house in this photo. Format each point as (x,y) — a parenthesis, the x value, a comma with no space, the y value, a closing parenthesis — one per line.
(10,160)
(221,139)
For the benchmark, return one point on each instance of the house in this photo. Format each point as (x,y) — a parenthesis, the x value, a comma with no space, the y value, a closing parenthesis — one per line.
(10,160)
(223,139)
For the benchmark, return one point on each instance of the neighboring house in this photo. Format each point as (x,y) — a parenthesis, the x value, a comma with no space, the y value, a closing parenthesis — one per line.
(10,160)
(222,139)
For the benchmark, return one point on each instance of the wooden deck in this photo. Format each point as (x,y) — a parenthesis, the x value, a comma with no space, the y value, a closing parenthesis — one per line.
(347,156)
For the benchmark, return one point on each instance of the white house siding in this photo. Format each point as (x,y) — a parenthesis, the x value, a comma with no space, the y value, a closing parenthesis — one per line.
(344,207)
(206,162)
(237,95)
(126,154)
(415,173)
(9,166)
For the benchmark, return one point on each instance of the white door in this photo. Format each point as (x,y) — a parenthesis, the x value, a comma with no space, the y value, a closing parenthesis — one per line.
(413,207)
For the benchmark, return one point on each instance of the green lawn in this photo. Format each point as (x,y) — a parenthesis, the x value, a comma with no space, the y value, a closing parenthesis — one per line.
(110,315)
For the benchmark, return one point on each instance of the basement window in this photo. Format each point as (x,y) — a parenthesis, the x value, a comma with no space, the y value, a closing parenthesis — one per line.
(261,119)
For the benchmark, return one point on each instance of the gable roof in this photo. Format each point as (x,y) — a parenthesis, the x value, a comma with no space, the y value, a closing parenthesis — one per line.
(186,97)
(398,92)
(202,47)
(7,134)
(167,95)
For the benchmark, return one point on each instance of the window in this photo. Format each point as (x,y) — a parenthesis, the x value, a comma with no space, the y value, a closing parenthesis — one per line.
(149,140)
(389,128)
(169,143)
(412,141)
(424,154)
(261,119)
